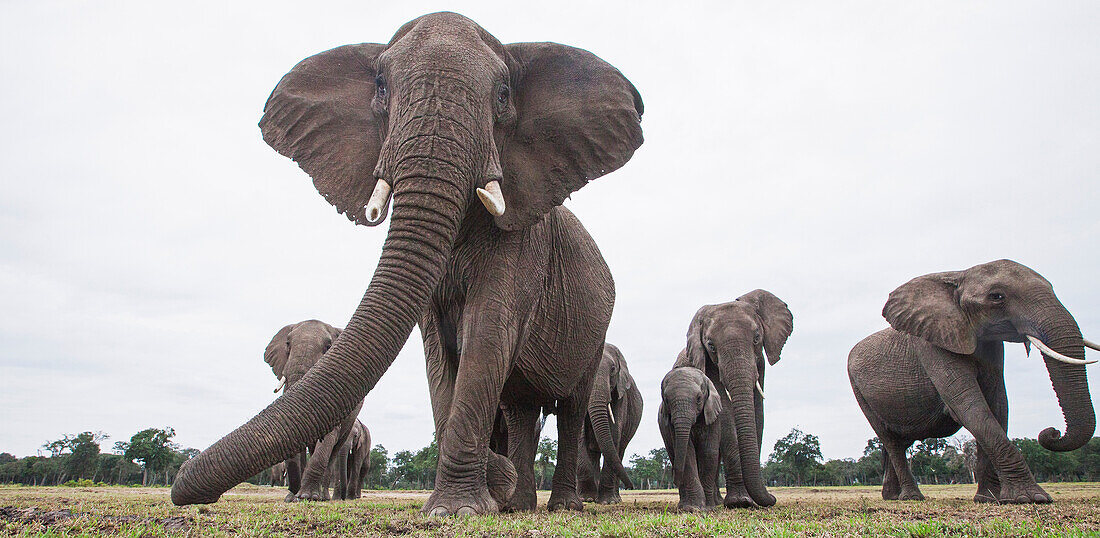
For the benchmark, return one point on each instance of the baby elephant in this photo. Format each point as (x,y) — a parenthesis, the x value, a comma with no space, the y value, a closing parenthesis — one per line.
(940,366)
(688,418)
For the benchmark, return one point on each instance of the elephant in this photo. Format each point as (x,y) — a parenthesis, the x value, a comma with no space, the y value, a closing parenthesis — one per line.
(939,367)
(292,352)
(688,419)
(358,466)
(470,146)
(728,343)
(614,412)
(278,474)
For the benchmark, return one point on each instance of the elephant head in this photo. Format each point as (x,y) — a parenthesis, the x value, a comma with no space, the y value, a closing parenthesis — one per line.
(443,128)
(732,340)
(1008,302)
(296,348)
(612,382)
(686,395)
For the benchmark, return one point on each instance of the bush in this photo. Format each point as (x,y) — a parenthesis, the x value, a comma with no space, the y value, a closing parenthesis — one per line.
(83,483)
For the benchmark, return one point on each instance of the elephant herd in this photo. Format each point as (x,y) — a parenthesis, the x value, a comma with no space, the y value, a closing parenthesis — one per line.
(469,147)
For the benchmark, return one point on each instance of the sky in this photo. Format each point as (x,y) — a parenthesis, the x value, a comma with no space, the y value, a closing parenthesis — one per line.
(151,244)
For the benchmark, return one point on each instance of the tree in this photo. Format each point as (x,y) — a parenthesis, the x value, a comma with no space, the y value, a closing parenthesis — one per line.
(77,453)
(795,459)
(545,461)
(379,461)
(154,449)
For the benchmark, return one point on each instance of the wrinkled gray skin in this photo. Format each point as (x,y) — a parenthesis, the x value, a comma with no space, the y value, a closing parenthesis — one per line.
(940,366)
(351,465)
(614,412)
(728,342)
(688,419)
(292,352)
(513,307)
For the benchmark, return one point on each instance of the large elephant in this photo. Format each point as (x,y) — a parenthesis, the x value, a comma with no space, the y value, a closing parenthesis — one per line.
(292,352)
(688,419)
(940,366)
(479,143)
(614,412)
(728,342)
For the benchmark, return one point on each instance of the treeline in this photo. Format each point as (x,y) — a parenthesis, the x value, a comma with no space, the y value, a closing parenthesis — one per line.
(148,458)
(151,458)
(796,461)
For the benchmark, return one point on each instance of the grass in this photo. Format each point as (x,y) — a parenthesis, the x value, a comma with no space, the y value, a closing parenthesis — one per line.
(826,511)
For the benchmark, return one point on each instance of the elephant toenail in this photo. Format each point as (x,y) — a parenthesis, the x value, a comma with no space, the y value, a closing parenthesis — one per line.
(466,511)
(439,511)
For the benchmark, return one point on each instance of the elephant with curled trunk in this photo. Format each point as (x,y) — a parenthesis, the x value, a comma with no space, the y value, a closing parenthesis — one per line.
(614,412)
(470,146)
(688,419)
(940,366)
(728,343)
(293,352)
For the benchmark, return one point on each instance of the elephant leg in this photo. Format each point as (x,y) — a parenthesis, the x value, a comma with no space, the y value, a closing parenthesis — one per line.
(707,458)
(441,355)
(957,377)
(294,466)
(314,487)
(737,496)
(572,410)
(338,471)
(522,447)
(609,483)
(488,343)
(907,485)
(992,383)
(588,464)
(891,489)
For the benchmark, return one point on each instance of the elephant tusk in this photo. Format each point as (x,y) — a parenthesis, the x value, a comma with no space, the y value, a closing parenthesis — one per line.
(1055,355)
(492,198)
(1027,348)
(1091,345)
(610,413)
(378,200)
(760,390)
(282,383)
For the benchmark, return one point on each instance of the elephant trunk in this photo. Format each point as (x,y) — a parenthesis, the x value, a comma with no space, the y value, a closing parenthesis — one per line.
(600,416)
(1060,332)
(682,416)
(426,213)
(744,417)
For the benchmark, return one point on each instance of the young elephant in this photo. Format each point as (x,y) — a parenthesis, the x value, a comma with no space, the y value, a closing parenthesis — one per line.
(614,412)
(728,342)
(940,366)
(348,466)
(688,418)
(291,353)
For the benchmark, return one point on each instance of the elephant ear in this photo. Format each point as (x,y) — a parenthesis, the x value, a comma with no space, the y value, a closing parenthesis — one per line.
(320,116)
(712,403)
(928,307)
(625,380)
(577,118)
(695,354)
(776,319)
(278,350)
(333,333)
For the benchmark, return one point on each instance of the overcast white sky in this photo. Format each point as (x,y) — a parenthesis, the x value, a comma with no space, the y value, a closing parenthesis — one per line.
(151,243)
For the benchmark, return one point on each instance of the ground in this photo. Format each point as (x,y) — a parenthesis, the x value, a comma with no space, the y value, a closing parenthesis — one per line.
(826,511)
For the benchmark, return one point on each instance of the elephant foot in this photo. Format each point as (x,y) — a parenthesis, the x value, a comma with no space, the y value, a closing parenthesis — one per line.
(737,499)
(564,501)
(290,497)
(442,503)
(1023,494)
(588,495)
(910,495)
(521,501)
(311,493)
(500,476)
(610,497)
(689,507)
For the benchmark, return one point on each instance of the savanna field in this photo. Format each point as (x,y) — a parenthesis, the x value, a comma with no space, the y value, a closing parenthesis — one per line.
(250,510)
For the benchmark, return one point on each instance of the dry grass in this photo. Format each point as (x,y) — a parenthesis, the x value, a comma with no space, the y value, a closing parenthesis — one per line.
(827,511)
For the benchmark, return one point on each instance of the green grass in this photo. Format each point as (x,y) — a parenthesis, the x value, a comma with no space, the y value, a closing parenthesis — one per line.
(825,511)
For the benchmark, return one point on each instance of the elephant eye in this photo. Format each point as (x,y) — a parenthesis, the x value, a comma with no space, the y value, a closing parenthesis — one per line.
(997,297)
(710,346)
(380,82)
(503,93)
(756,338)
